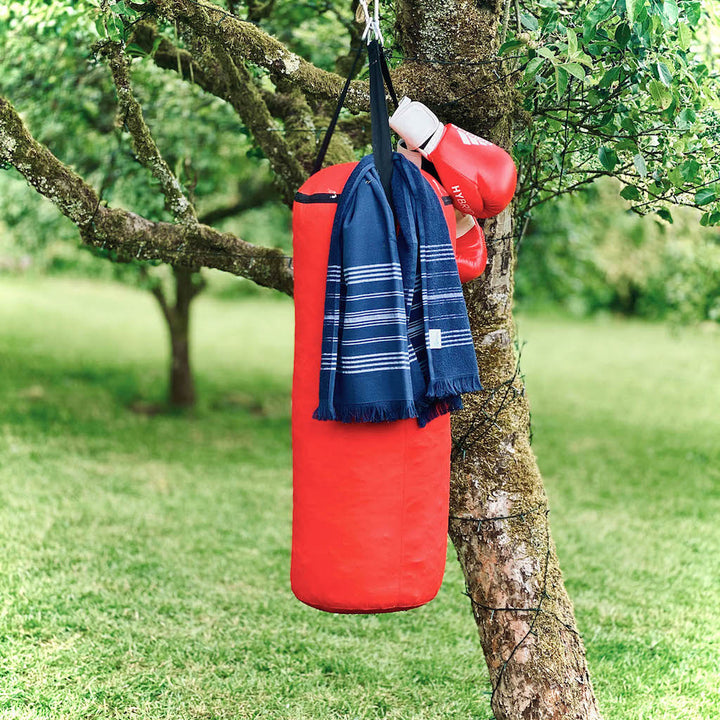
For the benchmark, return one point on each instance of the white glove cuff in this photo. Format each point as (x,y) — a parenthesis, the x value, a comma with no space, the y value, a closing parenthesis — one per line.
(417,125)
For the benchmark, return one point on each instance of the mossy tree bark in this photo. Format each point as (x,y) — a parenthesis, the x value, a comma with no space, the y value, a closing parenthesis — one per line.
(499,510)
(499,523)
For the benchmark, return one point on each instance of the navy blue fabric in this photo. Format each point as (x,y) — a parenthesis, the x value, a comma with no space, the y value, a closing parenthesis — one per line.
(396,337)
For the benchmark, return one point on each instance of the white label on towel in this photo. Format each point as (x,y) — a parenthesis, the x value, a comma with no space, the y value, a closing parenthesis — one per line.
(435,339)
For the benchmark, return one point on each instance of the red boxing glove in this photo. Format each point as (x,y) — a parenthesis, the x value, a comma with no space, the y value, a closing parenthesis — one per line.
(470,250)
(480,176)
(469,240)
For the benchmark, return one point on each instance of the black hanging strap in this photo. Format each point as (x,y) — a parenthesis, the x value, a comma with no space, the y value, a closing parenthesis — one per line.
(388,79)
(333,122)
(379,125)
(382,148)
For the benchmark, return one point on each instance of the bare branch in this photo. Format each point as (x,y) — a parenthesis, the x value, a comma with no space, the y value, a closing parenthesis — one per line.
(156,289)
(255,197)
(247,100)
(169,56)
(127,233)
(130,111)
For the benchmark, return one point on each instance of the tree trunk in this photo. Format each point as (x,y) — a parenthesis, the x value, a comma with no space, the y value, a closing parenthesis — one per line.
(181,388)
(499,524)
(182,385)
(499,512)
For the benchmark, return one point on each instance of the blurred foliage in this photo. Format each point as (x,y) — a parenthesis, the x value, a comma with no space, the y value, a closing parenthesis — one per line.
(641,61)
(589,252)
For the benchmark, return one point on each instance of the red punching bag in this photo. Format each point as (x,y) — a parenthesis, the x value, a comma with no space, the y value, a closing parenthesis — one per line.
(370,500)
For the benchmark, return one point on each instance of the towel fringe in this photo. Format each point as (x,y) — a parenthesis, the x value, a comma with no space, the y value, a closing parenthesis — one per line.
(384,412)
(437,408)
(445,387)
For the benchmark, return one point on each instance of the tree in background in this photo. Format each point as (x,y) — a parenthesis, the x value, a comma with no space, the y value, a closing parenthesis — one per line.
(578,90)
(204,142)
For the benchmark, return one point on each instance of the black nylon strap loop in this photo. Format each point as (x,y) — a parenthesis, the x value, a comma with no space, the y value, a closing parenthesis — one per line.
(388,79)
(333,122)
(379,125)
(379,115)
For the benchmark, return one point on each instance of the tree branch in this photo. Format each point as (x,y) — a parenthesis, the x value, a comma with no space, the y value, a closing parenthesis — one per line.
(245,97)
(214,70)
(125,232)
(169,56)
(130,111)
(156,290)
(256,197)
(243,40)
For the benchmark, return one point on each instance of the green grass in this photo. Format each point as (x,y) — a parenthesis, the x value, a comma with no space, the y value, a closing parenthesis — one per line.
(626,420)
(145,560)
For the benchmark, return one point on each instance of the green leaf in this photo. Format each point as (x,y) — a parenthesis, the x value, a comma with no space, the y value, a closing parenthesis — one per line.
(659,93)
(684,36)
(575,69)
(610,77)
(529,21)
(546,53)
(641,12)
(625,144)
(561,81)
(640,166)
(608,158)
(664,74)
(630,192)
(532,67)
(686,118)
(693,12)
(670,11)
(629,125)
(510,45)
(572,42)
(705,195)
(676,178)
(690,170)
(601,10)
(622,35)
(630,8)
(135,50)
(665,214)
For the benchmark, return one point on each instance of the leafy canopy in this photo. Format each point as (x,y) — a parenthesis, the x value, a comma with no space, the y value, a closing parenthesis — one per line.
(621,88)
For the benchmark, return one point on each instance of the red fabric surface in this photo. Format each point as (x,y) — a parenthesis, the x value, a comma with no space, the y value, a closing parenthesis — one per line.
(370,500)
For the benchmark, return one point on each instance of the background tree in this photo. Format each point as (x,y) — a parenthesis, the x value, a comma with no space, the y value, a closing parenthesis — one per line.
(580,91)
(203,141)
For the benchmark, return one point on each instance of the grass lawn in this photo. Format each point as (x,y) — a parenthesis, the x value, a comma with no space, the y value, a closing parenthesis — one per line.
(145,560)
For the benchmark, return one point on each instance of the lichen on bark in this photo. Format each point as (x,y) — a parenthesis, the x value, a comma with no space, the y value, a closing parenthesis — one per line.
(247,41)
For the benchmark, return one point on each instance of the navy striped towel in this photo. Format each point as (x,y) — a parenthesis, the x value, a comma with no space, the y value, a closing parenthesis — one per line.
(396,337)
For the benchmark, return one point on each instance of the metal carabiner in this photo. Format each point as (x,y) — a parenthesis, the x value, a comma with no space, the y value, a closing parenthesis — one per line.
(372,23)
